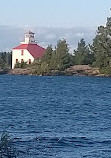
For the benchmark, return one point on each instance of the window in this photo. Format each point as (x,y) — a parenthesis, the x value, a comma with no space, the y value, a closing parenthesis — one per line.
(16,60)
(29,61)
(22,52)
(22,60)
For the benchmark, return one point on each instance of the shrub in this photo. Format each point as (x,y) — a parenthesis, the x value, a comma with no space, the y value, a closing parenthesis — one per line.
(21,65)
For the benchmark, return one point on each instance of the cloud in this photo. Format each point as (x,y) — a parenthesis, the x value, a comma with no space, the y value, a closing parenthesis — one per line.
(51,36)
(11,36)
(81,35)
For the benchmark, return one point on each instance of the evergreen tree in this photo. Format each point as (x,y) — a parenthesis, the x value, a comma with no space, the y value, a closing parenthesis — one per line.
(5,60)
(48,56)
(58,59)
(102,46)
(61,56)
(1,63)
(83,55)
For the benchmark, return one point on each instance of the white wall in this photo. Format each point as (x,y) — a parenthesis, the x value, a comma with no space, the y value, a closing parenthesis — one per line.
(16,54)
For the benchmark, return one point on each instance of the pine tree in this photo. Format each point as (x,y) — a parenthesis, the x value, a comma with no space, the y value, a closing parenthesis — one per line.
(102,46)
(62,56)
(83,55)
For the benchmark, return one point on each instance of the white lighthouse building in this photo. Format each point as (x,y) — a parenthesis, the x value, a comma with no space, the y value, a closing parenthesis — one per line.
(27,51)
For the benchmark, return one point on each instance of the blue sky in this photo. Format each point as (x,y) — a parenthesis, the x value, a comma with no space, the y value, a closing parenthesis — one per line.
(51,20)
(54,13)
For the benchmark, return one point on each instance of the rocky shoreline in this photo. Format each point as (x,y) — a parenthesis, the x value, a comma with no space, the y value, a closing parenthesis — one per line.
(76,70)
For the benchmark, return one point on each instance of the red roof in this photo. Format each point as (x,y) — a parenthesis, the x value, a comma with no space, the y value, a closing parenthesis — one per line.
(35,50)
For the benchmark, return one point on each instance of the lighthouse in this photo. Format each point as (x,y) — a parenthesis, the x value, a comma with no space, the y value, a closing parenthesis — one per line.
(27,51)
(29,38)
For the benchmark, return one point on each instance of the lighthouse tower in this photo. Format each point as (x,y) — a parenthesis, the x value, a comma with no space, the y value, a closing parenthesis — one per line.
(29,38)
(27,51)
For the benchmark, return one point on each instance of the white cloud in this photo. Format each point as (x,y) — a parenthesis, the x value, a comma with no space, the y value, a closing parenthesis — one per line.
(50,36)
(81,35)
(68,35)
(11,36)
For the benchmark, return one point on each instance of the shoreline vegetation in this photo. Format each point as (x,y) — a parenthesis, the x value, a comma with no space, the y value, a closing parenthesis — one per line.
(76,70)
(87,59)
(80,70)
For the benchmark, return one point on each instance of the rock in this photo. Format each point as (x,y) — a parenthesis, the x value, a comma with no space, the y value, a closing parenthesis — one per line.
(19,71)
(82,70)
(78,70)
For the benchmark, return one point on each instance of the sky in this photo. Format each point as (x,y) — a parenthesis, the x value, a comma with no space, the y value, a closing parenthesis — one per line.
(51,20)
(54,13)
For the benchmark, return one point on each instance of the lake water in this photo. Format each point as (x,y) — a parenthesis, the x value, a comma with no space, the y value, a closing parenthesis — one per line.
(57,117)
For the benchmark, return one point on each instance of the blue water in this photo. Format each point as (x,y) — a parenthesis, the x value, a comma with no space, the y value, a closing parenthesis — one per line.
(57,117)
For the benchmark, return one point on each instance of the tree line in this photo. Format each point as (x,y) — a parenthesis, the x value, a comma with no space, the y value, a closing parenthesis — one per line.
(5,60)
(97,54)
(60,59)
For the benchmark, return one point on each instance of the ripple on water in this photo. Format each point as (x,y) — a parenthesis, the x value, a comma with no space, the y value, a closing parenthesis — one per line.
(64,117)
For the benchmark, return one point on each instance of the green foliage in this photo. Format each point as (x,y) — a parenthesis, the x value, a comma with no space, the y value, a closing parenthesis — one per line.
(21,65)
(106,71)
(2,64)
(61,58)
(58,59)
(101,46)
(46,59)
(48,54)
(40,68)
(83,55)
(98,55)
(6,149)
(5,60)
